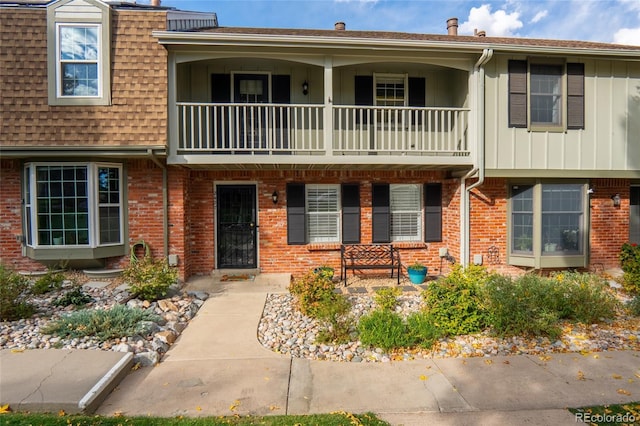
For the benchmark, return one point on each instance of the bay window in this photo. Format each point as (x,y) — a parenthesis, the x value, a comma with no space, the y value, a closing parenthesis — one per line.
(548,223)
(77,205)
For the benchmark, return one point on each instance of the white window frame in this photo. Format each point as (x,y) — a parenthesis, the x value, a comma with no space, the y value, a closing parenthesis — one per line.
(399,212)
(60,62)
(558,94)
(314,216)
(31,204)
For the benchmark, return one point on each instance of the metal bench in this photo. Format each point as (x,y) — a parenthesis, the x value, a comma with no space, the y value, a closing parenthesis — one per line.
(369,256)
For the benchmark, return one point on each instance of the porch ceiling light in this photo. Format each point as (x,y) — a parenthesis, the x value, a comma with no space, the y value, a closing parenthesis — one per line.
(305,88)
(616,200)
(274,197)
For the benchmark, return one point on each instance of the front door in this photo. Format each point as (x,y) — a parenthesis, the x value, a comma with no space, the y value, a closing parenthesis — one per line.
(236,226)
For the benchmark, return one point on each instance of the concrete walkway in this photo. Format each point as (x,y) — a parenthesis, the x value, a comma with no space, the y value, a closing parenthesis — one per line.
(217,368)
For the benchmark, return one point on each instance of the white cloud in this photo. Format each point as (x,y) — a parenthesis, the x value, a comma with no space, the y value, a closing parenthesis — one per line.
(497,24)
(539,16)
(627,36)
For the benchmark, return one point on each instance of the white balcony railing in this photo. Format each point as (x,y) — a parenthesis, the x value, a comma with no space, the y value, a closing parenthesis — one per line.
(285,129)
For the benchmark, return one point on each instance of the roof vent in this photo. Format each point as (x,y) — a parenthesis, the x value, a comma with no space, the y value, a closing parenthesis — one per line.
(452,26)
(340,26)
(481,33)
(155,3)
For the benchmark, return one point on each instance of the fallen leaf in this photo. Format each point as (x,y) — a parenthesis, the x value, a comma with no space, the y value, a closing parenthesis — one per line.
(423,377)
(624,392)
(273,407)
(61,413)
(616,376)
(136,366)
(117,414)
(17,351)
(235,405)
(488,361)
(638,375)
(267,378)
(5,409)
(506,362)
(580,375)
(596,356)
(198,408)
(544,358)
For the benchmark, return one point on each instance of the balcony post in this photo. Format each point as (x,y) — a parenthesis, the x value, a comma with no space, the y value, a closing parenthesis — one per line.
(328,106)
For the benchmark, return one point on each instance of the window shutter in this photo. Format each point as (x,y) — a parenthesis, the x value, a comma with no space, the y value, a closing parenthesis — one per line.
(363,93)
(417,97)
(296,219)
(381,220)
(281,89)
(634,214)
(575,96)
(351,213)
(221,88)
(433,212)
(517,93)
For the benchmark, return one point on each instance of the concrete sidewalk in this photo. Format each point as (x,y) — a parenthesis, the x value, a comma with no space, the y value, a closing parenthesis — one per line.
(217,367)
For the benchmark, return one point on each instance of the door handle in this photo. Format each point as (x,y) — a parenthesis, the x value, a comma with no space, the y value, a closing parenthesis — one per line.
(253,225)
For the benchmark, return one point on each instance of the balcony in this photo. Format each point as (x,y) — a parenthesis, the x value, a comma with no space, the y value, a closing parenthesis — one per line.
(240,134)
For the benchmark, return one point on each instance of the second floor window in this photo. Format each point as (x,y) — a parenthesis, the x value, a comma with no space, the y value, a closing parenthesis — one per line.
(546,94)
(78,60)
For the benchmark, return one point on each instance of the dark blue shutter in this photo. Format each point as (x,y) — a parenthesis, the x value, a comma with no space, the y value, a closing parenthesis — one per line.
(433,212)
(281,89)
(220,93)
(351,213)
(220,88)
(296,218)
(381,217)
(417,97)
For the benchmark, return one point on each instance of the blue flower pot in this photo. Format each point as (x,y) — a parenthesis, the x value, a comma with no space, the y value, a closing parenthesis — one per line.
(417,276)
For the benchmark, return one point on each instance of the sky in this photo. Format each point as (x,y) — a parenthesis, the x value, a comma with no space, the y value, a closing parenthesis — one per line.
(608,21)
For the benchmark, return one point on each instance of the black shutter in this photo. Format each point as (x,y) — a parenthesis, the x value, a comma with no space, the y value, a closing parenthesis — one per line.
(351,213)
(433,212)
(220,93)
(363,93)
(517,93)
(575,96)
(220,88)
(281,89)
(296,218)
(381,218)
(634,215)
(417,97)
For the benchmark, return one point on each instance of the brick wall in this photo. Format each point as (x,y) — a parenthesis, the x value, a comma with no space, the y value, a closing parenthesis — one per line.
(274,252)
(138,114)
(609,224)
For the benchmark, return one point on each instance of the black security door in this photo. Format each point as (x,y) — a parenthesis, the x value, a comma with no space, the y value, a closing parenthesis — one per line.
(237,228)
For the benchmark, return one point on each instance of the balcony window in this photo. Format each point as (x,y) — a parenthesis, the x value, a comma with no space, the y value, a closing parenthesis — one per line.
(73,205)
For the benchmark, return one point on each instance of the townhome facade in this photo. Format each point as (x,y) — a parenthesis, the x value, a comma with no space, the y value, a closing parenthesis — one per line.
(269,148)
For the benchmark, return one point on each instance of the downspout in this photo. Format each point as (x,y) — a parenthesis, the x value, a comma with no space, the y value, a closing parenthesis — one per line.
(465,208)
(165,202)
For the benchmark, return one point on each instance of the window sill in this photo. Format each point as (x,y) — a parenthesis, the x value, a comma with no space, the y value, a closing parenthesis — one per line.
(64,253)
(547,261)
(410,245)
(323,246)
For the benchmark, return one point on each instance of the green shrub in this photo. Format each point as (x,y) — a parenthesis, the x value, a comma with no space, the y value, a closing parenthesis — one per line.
(311,291)
(455,303)
(335,319)
(585,297)
(387,297)
(421,329)
(534,305)
(13,292)
(384,329)
(634,306)
(150,279)
(119,321)
(48,282)
(75,297)
(630,263)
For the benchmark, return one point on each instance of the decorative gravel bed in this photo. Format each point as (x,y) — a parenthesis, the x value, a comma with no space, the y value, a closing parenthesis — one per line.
(175,311)
(285,330)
